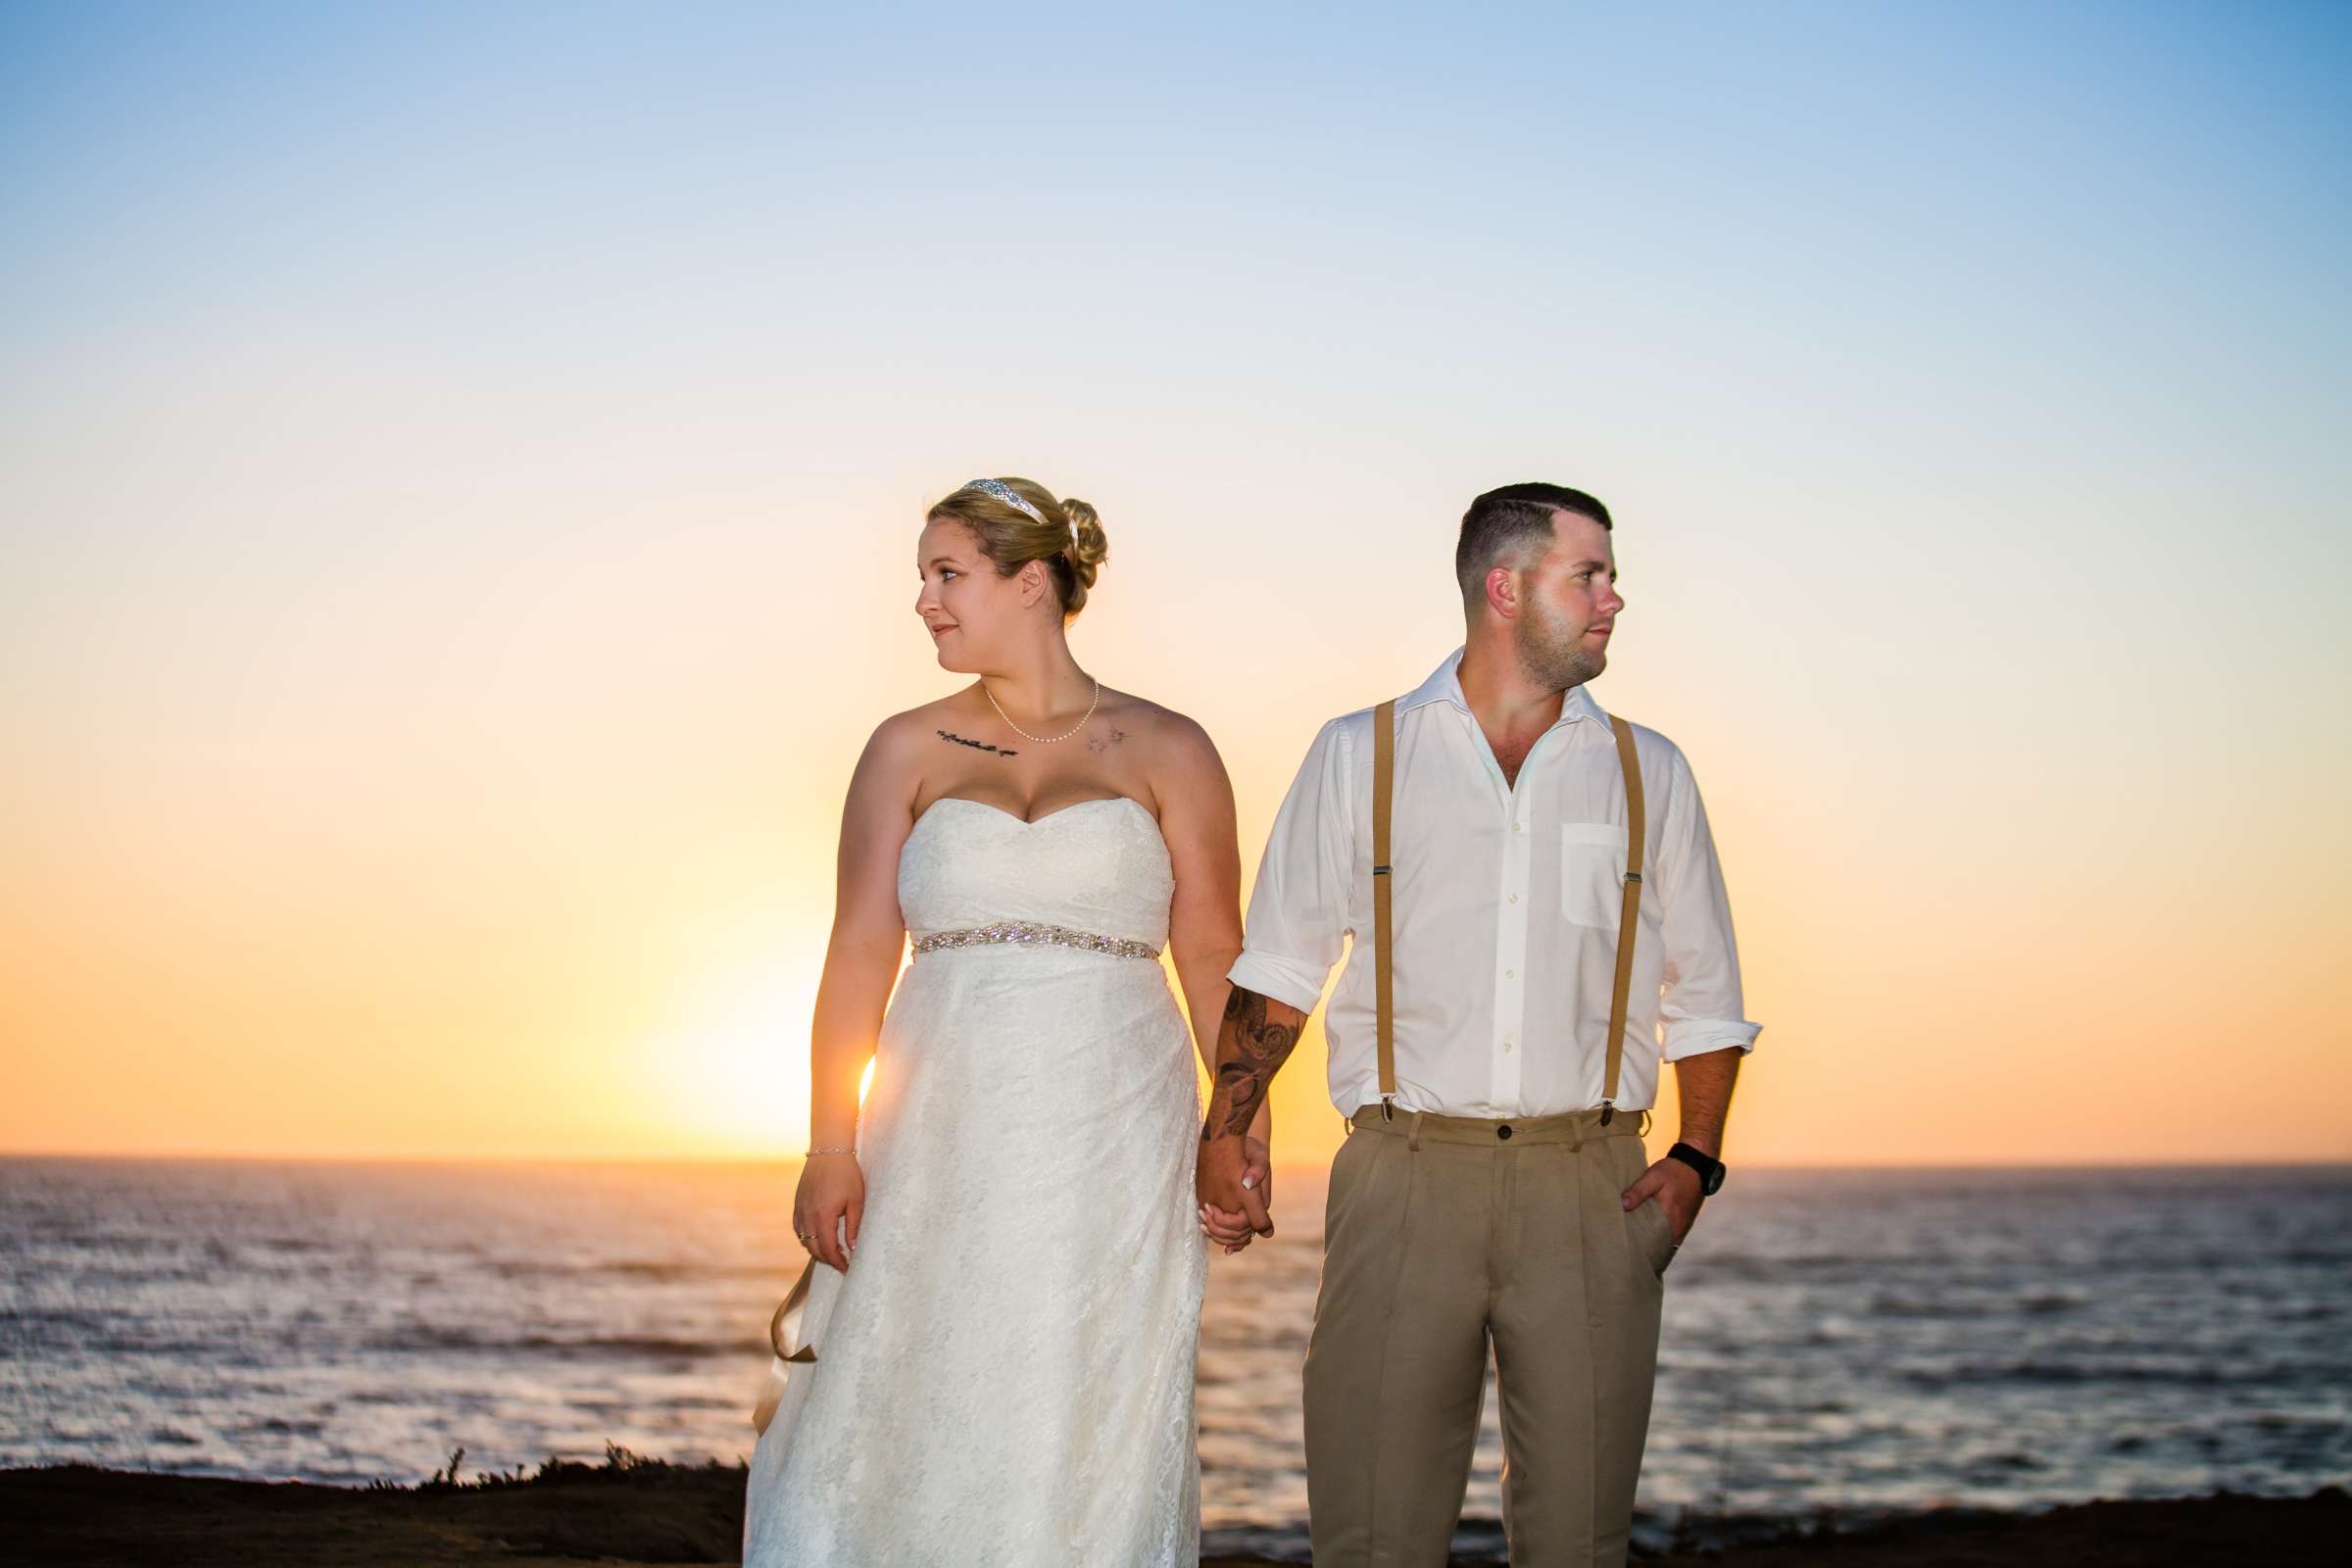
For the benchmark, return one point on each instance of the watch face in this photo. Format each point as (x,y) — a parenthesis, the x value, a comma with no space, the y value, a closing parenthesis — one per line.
(1712,1182)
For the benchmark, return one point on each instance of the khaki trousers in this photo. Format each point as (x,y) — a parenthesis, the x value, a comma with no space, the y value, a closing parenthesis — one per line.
(1441,1232)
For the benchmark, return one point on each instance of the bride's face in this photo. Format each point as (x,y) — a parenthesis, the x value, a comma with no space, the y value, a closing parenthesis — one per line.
(965,606)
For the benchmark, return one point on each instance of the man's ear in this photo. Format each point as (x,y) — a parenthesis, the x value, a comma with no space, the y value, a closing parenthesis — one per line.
(1502,591)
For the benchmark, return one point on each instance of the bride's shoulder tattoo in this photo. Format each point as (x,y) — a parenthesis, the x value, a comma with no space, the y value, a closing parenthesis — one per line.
(977,746)
(1098,744)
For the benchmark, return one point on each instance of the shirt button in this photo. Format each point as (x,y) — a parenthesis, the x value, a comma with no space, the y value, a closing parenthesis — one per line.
(1506,1046)
(1510,974)
(1518,827)
(1514,897)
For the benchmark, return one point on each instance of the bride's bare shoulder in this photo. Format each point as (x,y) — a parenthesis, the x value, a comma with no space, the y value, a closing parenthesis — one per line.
(895,752)
(1157,735)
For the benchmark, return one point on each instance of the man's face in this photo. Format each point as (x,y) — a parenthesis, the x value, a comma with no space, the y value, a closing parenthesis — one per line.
(1568,604)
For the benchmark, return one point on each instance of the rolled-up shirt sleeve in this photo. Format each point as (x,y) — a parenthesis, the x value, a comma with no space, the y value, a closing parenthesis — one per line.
(1299,909)
(1699,1004)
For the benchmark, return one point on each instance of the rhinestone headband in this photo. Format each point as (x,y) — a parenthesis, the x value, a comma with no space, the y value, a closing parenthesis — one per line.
(1004,492)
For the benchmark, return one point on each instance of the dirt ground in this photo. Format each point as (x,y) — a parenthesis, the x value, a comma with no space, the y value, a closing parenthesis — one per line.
(69,1516)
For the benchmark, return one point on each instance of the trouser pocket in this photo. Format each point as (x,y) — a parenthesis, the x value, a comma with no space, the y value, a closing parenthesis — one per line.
(1652,1231)
(1656,1234)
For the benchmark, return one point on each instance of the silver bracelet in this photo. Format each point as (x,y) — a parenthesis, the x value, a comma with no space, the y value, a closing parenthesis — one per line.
(815,1152)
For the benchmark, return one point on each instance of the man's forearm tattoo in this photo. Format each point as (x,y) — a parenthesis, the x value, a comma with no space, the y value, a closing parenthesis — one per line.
(1251,1049)
(977,746)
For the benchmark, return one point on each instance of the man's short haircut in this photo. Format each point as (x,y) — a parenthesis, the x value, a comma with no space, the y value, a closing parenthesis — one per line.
(1503,522)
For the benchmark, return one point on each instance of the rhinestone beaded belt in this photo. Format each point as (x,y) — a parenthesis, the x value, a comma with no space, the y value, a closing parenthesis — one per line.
(1035,931)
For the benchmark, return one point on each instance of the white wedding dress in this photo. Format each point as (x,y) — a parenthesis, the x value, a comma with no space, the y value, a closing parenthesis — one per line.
(1005,1374)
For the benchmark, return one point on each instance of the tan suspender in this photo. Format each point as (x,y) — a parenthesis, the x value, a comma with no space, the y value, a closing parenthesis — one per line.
(1383,991)
(1629,914)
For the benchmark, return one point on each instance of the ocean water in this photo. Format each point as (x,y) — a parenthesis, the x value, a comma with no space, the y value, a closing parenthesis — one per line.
(1846,1342)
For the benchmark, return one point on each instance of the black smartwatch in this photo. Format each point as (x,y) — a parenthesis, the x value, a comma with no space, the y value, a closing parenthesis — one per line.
(1709,1168)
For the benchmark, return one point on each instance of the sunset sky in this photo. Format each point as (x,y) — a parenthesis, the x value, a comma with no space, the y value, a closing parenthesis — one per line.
(459,470)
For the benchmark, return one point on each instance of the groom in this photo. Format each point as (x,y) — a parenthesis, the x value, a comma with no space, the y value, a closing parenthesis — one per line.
(1494,1056)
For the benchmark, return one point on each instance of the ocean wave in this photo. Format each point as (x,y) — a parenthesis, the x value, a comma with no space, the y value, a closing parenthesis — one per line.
(643,1271)
(430,1338)
(1958,1307)
(2073,1374)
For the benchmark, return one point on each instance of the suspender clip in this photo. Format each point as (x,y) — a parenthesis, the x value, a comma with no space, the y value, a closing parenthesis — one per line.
(1609,1109)
(1633,876)
(1380,870)
(1388,1108)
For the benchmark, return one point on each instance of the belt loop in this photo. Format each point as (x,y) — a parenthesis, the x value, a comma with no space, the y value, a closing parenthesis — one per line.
(1643,1131)
(1414,1143)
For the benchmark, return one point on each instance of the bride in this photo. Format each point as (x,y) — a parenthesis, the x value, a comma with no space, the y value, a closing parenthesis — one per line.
(1006,1329)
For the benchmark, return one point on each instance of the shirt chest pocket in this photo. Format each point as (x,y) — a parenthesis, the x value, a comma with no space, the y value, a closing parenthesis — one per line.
(1592,873)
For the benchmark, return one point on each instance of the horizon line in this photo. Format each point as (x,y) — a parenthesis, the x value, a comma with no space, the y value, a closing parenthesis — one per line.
(2319,1163)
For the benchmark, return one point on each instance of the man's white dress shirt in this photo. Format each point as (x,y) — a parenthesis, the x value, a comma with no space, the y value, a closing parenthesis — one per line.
(1506,904)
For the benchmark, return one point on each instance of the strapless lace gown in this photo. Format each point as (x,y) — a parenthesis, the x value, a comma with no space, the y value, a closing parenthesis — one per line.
(1004,1375)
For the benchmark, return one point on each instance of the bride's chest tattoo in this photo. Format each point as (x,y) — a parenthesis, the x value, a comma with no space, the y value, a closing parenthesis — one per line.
(977,746)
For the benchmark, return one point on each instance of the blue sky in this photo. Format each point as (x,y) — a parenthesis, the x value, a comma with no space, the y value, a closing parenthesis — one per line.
(1969,381)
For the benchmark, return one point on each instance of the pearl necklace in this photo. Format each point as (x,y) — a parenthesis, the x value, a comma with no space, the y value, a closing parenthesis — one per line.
(1042,740)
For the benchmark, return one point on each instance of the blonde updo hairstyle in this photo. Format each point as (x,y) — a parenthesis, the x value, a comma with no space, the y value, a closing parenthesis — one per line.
(1069,541)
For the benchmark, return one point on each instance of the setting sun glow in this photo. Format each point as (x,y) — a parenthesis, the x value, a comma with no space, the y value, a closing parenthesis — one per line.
(455,554)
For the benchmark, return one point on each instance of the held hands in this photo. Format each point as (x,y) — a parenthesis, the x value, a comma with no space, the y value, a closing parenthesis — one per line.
(1234,1228)
(1676,1187)
(831,1200)
(1234,1181)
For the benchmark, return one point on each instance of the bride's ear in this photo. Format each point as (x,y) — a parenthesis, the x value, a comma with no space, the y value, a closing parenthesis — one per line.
(1035,583)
